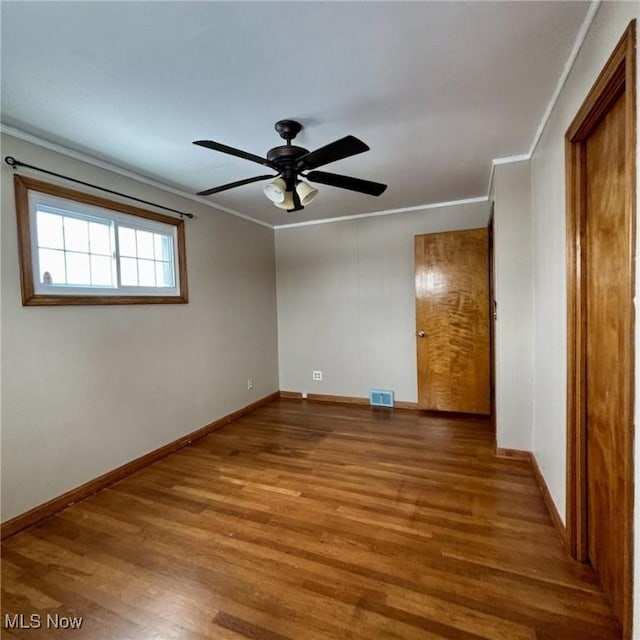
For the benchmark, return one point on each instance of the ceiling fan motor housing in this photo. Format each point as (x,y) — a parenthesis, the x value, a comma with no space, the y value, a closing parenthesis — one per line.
(285,154)
(285,158)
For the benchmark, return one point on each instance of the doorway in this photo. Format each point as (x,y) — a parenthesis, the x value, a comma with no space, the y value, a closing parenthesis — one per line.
(600,169)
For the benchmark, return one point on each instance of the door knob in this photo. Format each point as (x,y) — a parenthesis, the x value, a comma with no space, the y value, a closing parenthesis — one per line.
(421,334)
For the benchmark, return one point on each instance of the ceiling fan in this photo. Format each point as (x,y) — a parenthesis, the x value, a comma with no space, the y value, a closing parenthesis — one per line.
(291,163)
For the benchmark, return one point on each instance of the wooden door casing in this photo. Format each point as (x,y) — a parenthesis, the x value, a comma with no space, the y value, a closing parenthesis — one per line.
(452,309)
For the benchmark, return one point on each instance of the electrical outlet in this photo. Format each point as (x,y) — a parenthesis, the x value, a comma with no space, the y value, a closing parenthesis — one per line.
(317,375)
(250,384)
(304,395)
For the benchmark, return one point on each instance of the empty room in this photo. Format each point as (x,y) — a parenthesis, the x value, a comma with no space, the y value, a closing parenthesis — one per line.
(318,320)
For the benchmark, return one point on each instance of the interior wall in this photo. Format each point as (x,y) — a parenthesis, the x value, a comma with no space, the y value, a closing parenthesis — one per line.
(346,300)
(513,286)
(88,388)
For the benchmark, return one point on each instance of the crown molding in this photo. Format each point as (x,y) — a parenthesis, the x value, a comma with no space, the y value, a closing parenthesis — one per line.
(82,157)
(101,164)
(375,214)
(505,160)
(575,50)
(523,157)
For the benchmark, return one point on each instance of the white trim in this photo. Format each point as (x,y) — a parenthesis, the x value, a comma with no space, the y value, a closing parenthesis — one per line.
(577,45)
(506,160)
(76,155)
(435,205)
(510,159)
(575,50)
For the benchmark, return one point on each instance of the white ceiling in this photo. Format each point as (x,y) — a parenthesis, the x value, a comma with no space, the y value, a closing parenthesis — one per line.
(436,89)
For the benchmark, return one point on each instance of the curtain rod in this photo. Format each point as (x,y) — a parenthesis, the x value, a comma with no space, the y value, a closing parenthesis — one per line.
(12,162)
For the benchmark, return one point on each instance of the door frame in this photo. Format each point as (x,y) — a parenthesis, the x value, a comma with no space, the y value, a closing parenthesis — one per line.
(493,312)
(617,77)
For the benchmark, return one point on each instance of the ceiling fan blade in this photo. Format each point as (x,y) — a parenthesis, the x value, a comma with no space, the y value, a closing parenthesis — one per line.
(346,182)
(231,185)
(232,151)
(343,148)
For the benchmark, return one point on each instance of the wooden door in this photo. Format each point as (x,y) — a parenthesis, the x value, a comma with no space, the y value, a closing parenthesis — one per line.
(452,321)
(600,235)
(607,336)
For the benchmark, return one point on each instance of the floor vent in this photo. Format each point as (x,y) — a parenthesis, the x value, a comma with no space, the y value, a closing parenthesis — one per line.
(380,398)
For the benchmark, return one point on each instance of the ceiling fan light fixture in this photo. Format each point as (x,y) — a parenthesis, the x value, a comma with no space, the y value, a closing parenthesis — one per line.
(306,193)
(287,201)
(276,191)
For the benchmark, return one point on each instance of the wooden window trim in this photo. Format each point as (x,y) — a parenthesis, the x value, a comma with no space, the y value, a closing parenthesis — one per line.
(23,185)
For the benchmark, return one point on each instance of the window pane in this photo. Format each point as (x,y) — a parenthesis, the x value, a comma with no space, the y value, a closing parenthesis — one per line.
(101,272)
(81,249)
(50,230)
(52,263)
(163,246)
(78,268)
(100,238)
(76,235)
(145,244)
(129,272)
(127,242)
(164,274)
(146,273)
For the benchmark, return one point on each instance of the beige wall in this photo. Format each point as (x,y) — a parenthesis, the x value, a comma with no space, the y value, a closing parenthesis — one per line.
(513,282)
(86,389)
(346,302)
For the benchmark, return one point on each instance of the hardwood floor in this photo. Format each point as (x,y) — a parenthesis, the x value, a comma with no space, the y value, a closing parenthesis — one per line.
(309,521)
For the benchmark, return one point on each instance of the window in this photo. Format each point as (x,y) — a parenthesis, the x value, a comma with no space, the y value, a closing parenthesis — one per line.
(76,248)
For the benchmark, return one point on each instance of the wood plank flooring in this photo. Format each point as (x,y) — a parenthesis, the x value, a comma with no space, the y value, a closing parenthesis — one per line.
(310,521)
